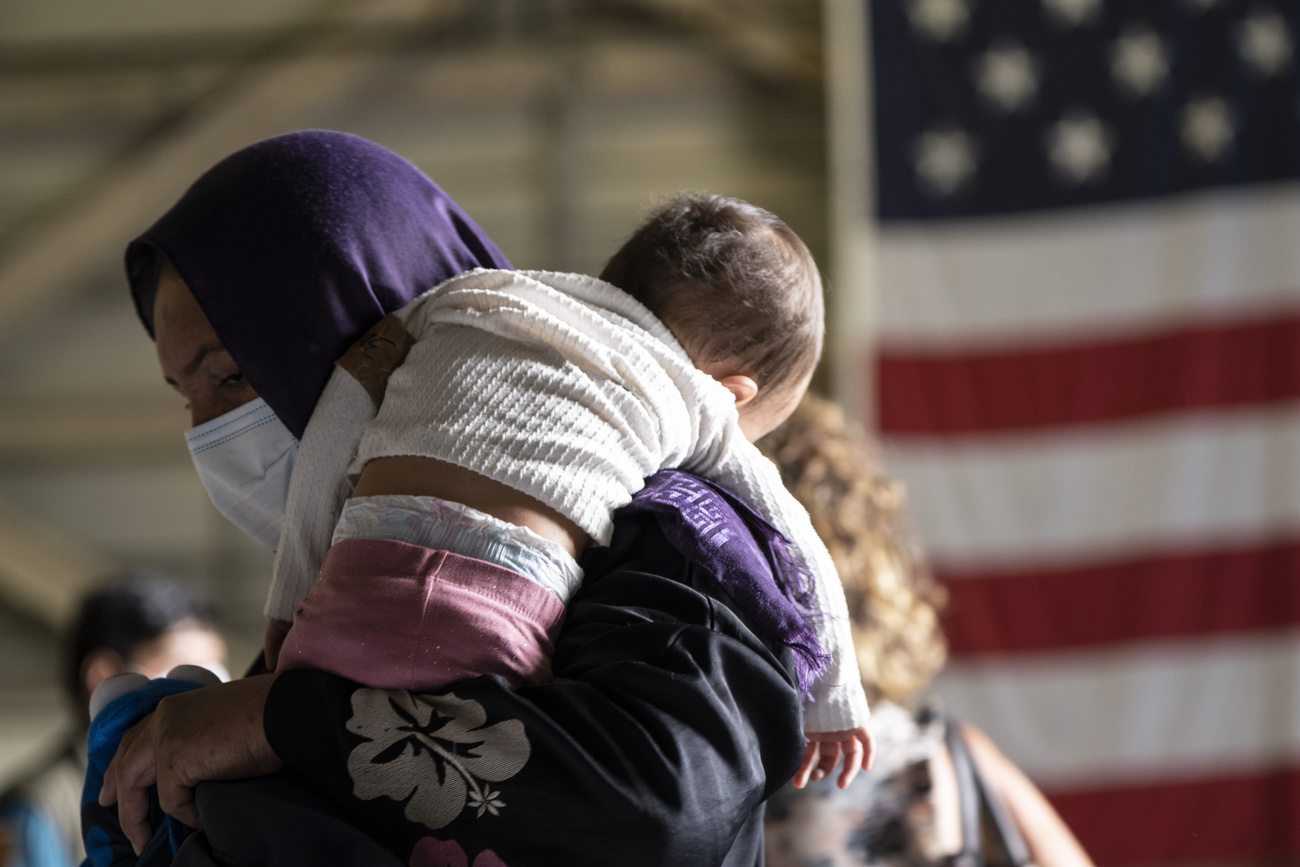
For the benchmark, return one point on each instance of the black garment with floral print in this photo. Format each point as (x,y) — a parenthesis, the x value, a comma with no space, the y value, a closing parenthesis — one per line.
(668,723)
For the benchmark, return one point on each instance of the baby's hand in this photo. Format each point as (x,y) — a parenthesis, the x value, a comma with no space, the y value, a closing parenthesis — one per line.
(824,749)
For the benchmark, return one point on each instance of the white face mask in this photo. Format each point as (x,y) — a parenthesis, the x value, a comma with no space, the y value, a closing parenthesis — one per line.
(244,459)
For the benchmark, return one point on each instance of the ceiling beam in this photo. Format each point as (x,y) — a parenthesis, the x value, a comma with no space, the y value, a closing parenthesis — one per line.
(44,573)
(69,242)
(135,54)
(70,247)
(763,41)
(56,430)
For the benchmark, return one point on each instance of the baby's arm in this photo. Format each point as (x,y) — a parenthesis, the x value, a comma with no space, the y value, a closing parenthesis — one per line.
(824,749)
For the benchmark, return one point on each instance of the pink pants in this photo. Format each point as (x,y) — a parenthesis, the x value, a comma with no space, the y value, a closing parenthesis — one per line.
(398,616)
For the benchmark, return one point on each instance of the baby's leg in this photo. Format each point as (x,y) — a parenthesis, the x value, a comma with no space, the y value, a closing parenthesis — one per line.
(418,591)
(399,616)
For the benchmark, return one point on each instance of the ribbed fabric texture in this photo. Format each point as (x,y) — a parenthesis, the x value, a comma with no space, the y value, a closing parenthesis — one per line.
(565,388)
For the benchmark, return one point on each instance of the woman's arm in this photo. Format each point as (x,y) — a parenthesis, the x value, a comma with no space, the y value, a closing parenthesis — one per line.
(1051,844)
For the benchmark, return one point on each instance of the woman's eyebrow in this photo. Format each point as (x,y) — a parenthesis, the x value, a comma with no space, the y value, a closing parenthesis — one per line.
(203,352)
(193,365)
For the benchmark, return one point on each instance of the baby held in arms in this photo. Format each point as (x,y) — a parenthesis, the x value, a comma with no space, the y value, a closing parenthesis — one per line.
(486,432)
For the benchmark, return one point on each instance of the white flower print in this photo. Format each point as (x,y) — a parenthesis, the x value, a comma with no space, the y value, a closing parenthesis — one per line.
(433,749)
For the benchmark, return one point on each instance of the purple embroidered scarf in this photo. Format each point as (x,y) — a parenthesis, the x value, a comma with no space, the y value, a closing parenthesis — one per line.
(710,527)
(296,245)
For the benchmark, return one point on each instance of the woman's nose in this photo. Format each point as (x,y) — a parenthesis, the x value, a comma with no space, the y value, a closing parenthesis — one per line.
(205,404)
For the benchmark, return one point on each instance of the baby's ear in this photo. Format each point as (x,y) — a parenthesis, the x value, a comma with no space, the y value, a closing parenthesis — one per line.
(742,388)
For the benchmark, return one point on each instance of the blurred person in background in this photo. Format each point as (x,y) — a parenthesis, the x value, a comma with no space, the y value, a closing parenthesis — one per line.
(939,792)
(137,621)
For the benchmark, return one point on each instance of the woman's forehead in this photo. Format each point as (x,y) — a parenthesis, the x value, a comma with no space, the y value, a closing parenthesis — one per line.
(180,325)
(174,301)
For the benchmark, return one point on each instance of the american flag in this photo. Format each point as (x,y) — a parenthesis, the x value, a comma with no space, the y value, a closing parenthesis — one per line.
(1088,375)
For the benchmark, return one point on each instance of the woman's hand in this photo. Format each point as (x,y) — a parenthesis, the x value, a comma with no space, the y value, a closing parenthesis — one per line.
(213,733)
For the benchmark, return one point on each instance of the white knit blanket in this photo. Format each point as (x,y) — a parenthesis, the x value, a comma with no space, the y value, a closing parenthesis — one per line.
(565,388)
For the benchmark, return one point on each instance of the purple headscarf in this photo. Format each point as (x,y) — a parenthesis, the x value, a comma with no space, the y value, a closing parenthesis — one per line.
(296,245)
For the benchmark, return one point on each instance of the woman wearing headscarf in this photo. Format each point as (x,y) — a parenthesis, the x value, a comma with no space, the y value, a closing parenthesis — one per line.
(669,719)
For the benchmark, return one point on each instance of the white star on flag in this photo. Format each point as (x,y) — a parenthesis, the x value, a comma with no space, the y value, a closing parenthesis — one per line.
(1072,13)
(1207,128)
(1265,42)
(1139,61)
(945,159)
(1079,148)
(1007,76)
(941,20)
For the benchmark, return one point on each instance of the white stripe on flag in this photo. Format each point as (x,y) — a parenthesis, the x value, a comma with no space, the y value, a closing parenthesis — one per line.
(1113,269)
(1162,712)
(1189,481)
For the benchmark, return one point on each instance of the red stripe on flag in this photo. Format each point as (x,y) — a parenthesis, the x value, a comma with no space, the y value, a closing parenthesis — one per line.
(1239,818)
(1171,595)
(1222,364)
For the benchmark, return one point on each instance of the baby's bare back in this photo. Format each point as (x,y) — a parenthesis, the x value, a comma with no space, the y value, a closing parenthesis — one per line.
(430,477)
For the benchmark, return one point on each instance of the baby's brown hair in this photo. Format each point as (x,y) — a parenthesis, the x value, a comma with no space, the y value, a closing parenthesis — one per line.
(732,282)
